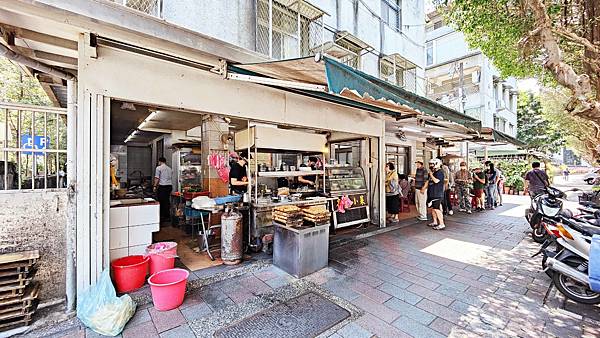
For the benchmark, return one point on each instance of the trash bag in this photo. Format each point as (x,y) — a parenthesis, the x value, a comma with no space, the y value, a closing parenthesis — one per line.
(101,310)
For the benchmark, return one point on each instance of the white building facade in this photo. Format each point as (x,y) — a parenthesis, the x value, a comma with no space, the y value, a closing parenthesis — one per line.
(466,80)
(384,38)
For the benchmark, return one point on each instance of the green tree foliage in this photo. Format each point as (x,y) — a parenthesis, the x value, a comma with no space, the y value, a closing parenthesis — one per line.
(579,134)
(534,129)
(556,41)
(18,87)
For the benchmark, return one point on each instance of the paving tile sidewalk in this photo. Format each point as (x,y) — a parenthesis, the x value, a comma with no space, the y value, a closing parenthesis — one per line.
(476,278)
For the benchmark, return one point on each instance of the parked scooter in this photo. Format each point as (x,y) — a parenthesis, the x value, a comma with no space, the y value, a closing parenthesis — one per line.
(569,264)
(545,205)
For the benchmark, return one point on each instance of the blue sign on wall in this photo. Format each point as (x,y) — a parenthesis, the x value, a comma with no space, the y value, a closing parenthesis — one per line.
(35,142)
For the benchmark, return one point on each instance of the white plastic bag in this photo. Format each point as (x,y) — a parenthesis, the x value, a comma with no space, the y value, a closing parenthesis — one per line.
(203,202)
(101,310)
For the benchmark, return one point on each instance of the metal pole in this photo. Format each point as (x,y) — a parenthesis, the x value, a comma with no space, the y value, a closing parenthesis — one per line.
(461,85)
(27,61)
(6,131)
(71,173)
(299,30)
(270,36)
(33,152)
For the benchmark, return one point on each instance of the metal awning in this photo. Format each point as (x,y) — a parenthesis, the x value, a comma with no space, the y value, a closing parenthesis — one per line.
(329,79)
(489,135)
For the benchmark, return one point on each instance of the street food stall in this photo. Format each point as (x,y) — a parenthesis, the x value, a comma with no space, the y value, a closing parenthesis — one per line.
(348,184)
(280,205)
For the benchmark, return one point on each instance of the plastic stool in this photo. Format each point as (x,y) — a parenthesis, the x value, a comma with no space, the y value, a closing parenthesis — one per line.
(404,204)
(453,198)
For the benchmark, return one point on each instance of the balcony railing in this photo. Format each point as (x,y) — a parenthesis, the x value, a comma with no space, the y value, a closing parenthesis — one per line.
(151,7)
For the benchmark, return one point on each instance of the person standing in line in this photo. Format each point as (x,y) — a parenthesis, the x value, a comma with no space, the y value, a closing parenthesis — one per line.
(435,194)
(403,185)
(491,185)
(392,190)
(421,191)
(500,187)
(479,181)
(448,181)
(163,186)
(462,182)
(536,180)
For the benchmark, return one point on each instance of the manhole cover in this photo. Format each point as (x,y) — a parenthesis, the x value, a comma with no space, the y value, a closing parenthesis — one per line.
(304,316)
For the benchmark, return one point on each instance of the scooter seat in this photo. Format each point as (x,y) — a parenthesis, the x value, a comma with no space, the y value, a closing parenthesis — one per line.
(591,229)
(587,227)
(590,204)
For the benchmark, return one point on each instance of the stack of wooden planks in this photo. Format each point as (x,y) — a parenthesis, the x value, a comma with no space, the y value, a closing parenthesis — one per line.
(316,214)
(289,215)
(18,295)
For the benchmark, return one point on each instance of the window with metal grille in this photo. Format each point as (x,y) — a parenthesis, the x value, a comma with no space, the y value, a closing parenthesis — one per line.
(286,31)
(391,13)
(152,7)
(389,72)
(33,147)
(399,156)
(499,124)
(429,53)
(392,69)
(353,58)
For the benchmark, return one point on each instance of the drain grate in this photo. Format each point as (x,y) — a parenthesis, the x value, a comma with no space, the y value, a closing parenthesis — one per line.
(307,315)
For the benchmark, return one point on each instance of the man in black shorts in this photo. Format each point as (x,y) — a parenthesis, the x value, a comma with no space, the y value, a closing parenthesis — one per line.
(435,193)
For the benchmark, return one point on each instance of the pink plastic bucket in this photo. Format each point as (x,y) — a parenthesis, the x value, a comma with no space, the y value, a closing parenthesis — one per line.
(162,256)
(168,288)
(129,272)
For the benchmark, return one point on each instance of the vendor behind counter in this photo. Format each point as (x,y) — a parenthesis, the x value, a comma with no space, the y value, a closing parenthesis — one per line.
(309,180)
(238,176)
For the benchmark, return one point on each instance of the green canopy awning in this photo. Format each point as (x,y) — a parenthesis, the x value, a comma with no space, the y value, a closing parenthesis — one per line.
(341,77)
(342,83)
(504,138)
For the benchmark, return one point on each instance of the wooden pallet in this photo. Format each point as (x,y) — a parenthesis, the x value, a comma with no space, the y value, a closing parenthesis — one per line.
(15,319)
(17,268)
(18,300)
(21,303)
(21,278)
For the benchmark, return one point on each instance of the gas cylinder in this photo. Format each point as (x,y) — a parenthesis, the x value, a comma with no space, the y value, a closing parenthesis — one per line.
(232,234)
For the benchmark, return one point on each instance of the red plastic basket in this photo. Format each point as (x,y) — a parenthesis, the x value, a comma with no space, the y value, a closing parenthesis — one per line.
(192,195)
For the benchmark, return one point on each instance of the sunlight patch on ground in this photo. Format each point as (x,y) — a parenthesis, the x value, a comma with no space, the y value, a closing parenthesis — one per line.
(521,203)
(518,211)
(459,251)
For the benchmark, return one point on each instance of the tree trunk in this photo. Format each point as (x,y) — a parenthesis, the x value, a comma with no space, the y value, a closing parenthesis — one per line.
(580,85)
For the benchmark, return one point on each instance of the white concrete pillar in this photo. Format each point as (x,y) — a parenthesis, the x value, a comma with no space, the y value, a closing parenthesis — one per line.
(506,98)
(499,94)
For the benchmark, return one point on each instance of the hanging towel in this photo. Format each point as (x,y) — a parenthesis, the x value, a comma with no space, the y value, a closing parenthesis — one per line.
(594,264)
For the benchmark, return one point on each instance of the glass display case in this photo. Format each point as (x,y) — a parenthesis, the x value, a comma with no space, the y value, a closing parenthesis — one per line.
(344,180)
(347,183)
(190,169)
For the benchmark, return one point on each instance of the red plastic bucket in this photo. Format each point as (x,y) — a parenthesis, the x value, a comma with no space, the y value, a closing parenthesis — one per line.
(162,256)
(129,272)
(168,288)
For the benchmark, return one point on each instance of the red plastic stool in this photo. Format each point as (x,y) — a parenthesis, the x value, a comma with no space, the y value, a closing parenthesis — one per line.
(404,204)
(453,198)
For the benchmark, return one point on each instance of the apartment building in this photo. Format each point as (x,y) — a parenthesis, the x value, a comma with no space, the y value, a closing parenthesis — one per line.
(466,80)
(384,38)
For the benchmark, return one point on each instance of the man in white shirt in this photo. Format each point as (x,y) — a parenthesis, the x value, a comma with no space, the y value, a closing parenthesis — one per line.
(163,187)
